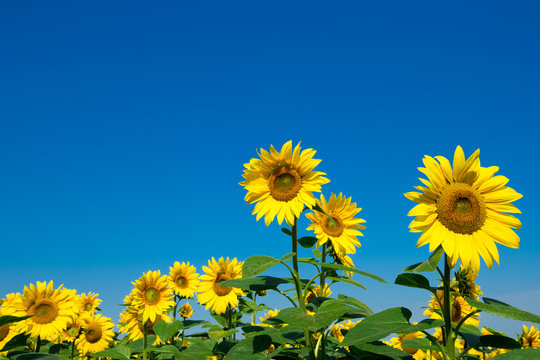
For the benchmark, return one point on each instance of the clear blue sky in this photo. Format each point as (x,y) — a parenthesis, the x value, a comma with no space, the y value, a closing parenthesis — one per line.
(125,126)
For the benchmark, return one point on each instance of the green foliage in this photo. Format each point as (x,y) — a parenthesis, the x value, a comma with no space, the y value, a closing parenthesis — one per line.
(254,265)
(498,308)
(523,354)
(427,266)
(258,283)
(119,352)
(165,330)
(415,281)
(344,268)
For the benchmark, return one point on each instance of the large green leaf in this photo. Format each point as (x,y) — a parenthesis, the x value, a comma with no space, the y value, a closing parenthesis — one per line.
(254,265)
(171,350)
(220,334)
(137,345)
(347,300)
(384,323)
(495,307)
(346,280)
(427,266)
(327,313)
(119,352)
(380,348)
(258,283)
(8,319)
(198,350)
(523,354)
(419,343)
(413,280)
(499,341)
(164,330)
(251,348)
(307,241)
(344,268)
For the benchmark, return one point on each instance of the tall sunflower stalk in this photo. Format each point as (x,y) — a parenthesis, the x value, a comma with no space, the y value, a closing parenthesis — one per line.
(463,208)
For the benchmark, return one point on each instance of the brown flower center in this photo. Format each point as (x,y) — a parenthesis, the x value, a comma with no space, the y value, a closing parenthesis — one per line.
(284,184)
(87,306)
(4,331)
(456,311)
(222,290)
(332,228)
(93,333)
(44,311)
(152,295)
(73,331)
(181,281)
(461,208)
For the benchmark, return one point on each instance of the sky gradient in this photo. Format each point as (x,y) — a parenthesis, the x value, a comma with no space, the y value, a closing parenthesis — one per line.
(124,128)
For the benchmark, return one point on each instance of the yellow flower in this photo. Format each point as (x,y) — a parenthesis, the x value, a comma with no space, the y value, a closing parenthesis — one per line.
(460,309)
(463,208)
(270,314)
(7,331)
(72,329)
(151,295)
(89,303)
(397,342)
(97,334)
(316,292)
(51,309)
(186,311)
(282,183)
(530,338)
(132,325)
(216,297)
(465,284)
(342,232)
(183,279)
(337,329)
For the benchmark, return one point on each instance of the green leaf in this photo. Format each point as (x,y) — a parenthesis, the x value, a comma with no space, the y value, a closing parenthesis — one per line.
(307,241)
(257,283)
(523,354)
(384,323)
(347,300)
(251,348)
(495,307)
(286,231)
(254,265)
(413,280)
(427,266)
(380,348)
(197,350)
(499,341)
(137,345)
(344,268)
(40,356)
(192,323)
(166,349)
(317,253)
(165,330)
(287,256)
(8,319)
(216,335)
(346,280)
(327,313)
(120,352)
(419,343)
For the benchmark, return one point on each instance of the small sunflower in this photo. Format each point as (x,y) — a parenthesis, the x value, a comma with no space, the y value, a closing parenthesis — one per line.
(88,303)
(397,342)
(50,310)
(464,208)
(151,295)
(7,331)
(530,338)
(97,334)
(73,328)
(465,283)
(270,314)
(183,279)
(338,329)
(340,227)
(316,292)
(131,324)
(282,183)
(186,311)
(460,309)
(216,297)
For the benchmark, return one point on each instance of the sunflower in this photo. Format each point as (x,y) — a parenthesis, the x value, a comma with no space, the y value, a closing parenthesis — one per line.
(151,295)
(316,292)
(282,183)
(530,338)
(463,208)
(51,309)
(342,259)
(131,324)
(73,328)
(337,329)
(397,342)
(465,284)
(186,311)
(340,227)
(460,309)
(216,297)
(183,279)
(270,314)
(7,331)
(97,334)
(88,303)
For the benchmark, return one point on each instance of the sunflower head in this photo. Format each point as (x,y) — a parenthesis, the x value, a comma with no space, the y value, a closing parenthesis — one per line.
(337,224)
(270,314)
(282,183)
(89,303)
(463,207)
(218,297)
(397,342)
(530,338)
(186,311)
(465,283)
(151,295)
(183,279)
(460,309)
(97,334)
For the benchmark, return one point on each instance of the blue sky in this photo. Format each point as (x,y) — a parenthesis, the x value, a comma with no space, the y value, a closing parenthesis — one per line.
(125,127)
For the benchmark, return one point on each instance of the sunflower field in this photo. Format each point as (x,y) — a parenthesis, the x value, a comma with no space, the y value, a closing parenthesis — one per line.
(462,211)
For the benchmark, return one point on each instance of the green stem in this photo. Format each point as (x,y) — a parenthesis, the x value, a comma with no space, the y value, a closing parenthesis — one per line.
(301,300)
(72,350)
(254,311)
(322,292)
(447,311)
(176,301)
(145,341)
(38,344)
